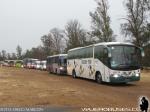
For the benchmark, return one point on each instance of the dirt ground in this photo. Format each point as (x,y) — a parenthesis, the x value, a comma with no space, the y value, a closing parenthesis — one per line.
(24,87)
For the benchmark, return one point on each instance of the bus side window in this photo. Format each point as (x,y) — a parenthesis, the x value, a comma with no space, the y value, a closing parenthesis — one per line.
(105,56)
(99,52)
(105,53)
(65,62)
(59,61)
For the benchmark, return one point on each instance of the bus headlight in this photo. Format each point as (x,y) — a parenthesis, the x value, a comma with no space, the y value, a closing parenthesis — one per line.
(61,68)
(137,74)
(116,75)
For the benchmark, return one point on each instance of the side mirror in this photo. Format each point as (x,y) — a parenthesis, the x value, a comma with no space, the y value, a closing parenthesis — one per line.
(106,52)
(142,52)
(109,55)
(109,52)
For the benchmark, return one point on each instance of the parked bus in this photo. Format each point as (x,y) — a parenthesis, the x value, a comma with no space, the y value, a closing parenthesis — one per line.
(112,62)
(37,65)
(43,65)
(57,64)
(13,63)
(29,63)
(19,63)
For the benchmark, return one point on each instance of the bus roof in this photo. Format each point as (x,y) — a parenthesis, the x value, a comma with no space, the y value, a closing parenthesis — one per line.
(113,43)
(13,60)
(44,61)
(104,44)
(56,55)
(30,59)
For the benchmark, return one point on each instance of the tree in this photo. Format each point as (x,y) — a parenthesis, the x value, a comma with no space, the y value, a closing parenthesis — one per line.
(146,59)
(53,43)
(35,52)
(76,35)
(1,58)
(58,40)
(146,35)
(4,56)
(47,42)
(136,19)
(13,56)
(19,52)
(27,54)
(9,56)
(101,22)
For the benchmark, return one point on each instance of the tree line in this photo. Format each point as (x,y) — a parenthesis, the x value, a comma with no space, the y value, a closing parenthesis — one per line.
(135,28)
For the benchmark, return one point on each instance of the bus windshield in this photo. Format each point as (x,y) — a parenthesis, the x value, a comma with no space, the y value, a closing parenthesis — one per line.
(63,61)
(125,57)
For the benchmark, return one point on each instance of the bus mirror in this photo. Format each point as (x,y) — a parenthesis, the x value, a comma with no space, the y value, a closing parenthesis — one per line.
(142,52)
(107,52)
(109,55)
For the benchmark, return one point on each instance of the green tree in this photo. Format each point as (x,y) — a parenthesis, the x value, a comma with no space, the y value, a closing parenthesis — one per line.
(47,42)
(101,22)
(35,52)
(76,35)
(19,52)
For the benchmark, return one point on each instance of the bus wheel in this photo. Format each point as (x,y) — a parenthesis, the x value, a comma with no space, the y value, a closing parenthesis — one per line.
(98,78)
(73,74)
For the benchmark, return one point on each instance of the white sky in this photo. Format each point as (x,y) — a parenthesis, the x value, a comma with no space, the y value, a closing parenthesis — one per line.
(23,22)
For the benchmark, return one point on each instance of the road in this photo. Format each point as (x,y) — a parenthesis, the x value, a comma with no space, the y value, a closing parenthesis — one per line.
(26,87)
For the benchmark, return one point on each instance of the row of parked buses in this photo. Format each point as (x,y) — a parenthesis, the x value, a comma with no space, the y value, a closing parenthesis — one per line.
(32,63)
(12,63)
(112,62)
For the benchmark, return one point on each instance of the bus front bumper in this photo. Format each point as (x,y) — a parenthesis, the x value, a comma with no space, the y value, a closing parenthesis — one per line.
(122,79)
(63,70)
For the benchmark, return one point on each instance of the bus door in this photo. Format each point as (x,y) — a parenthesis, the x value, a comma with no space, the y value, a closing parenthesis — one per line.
(106,64)
(78,67)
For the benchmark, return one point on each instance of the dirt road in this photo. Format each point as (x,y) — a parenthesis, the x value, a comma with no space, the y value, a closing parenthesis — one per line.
(24,87)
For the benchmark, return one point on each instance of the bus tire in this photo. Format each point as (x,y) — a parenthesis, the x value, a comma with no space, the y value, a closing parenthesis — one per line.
(74,74)
(98,78)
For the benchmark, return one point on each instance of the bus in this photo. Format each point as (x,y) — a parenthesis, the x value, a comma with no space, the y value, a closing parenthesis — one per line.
(29,63)
(38,65)
(57,64)
(112,62)
(43,65)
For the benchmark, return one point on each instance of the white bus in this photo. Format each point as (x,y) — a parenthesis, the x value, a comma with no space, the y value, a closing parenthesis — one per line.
(29,63)
(43,65)
(57,64)
(113,62)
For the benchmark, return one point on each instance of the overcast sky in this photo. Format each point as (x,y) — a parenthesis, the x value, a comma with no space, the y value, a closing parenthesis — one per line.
(23,22)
